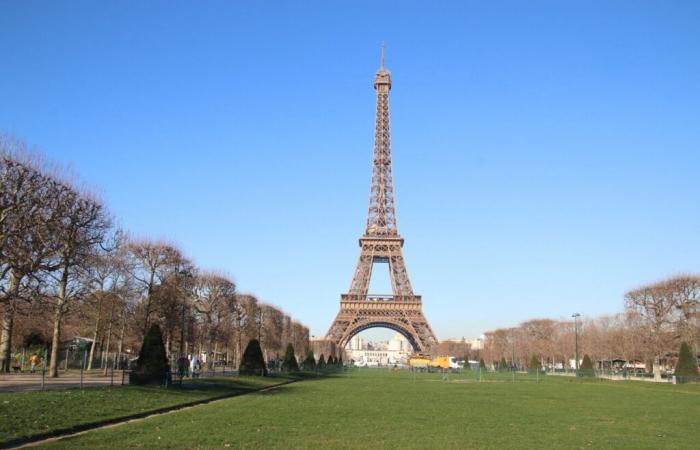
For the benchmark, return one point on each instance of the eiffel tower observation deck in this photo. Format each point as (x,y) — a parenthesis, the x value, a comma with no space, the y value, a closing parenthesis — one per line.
(381,243)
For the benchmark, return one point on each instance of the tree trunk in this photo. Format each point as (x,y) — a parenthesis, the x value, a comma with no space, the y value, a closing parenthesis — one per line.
(207,345)
(105,351)
(8,320)
(55,341)
(147,319)
(238,350)
(120,348)
(95,333)
(58,317)
(6,337)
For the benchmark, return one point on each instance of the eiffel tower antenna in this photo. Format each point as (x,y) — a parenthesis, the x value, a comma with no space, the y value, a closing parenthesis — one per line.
(383,47)
(402,310)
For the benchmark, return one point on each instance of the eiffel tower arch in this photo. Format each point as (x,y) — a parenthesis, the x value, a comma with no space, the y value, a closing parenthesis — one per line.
(381,243)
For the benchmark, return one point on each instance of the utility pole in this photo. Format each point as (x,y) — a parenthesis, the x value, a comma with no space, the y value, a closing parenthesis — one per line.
(576,316)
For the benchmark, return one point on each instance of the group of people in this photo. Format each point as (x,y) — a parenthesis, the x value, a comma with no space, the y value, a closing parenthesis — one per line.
(34,362)
(189,366)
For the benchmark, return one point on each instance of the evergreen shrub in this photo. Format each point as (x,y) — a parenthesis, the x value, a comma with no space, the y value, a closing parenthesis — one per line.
(253,362)
(152,366)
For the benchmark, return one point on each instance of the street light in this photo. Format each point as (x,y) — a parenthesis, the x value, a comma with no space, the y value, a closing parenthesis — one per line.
(576,316)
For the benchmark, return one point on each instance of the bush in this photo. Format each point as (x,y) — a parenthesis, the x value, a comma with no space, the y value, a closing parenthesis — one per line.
(152,365)
(309,363)
(503,365)
(252,362)
(535,363)
(321,362)
(586,368)
(687,364)
(290,361)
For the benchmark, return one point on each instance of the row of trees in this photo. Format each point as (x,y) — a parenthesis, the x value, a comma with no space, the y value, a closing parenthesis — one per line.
(656,319)
(64,266)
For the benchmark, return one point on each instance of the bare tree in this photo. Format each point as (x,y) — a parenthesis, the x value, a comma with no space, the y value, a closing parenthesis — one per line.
(300,339)
(28,201)
(105,276)
(213,300)
(686,294)
(59,264)
(80,233)
(150,263)
(655,305)
(243,316)
(270,330)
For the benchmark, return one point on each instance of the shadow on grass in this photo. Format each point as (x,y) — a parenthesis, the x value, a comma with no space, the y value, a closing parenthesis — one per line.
(311,376)
(216,384)
(219,389)
(272,391)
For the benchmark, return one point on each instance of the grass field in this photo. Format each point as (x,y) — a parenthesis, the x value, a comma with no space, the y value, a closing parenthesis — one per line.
(29,413)
(382,409)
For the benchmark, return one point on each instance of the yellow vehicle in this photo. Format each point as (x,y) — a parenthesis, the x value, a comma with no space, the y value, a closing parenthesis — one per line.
(444,362)
(418,361)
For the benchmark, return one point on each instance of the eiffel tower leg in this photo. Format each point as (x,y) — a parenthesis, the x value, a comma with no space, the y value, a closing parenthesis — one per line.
(363,273)
(340,327)
(399,276)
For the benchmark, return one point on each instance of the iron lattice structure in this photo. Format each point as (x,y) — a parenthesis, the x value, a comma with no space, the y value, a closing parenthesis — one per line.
(401,311)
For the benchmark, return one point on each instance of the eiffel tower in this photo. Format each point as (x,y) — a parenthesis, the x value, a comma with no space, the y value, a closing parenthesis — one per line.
(381,243)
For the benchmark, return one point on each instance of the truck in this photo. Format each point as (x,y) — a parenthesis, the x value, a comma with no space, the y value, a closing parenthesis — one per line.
(445,362)
(419,361)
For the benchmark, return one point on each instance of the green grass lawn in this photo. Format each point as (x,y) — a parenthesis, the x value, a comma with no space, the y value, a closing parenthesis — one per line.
(383,409)
(29,413)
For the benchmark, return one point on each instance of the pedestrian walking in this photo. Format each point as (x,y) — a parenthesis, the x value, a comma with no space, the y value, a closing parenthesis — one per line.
(194,366)
(34,361)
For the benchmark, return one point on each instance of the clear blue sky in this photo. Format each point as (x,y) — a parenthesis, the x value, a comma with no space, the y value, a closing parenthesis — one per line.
(546,154)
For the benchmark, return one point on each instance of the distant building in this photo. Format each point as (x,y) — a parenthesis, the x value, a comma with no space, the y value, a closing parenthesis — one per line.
(356,343)
(476,344)
(394,351)
(399,344)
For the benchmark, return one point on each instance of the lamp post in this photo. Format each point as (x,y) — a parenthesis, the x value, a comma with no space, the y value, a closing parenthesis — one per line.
(576,316)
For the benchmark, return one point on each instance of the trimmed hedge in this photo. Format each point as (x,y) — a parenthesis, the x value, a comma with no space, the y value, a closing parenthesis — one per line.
(152,366)
(253,362)
(586,368)
(290,361)
(687,364)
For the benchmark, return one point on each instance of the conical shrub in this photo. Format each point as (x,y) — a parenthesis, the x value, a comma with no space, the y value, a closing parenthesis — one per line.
(290,361)
(687,363)
(152,366)
(586,368)
(252,362)
(310,362)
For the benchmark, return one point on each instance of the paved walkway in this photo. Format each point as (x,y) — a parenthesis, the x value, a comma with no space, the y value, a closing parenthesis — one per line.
(20,382)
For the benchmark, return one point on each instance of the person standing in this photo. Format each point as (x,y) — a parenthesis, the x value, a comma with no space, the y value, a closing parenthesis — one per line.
(34,361)
(194,366)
